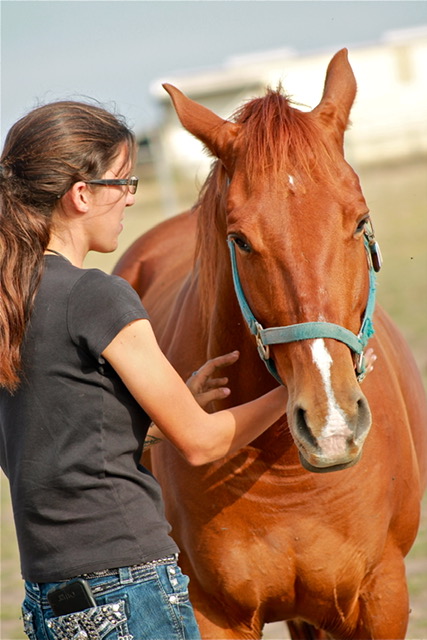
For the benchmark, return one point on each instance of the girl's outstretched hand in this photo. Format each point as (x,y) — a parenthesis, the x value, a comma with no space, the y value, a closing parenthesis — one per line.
(370,358)
(203,384)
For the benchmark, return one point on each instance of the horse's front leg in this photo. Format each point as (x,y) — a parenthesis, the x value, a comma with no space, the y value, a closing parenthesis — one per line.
(300,630)
(218,621)
(383,601)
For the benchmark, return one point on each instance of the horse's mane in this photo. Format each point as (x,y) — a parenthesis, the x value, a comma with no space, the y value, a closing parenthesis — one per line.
(277,140)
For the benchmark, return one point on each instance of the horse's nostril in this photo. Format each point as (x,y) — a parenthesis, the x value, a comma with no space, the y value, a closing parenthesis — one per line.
(303,428)
(363,419)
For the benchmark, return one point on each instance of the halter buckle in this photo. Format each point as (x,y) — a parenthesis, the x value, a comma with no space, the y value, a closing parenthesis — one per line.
(263,349)
(360,367)
(374,255)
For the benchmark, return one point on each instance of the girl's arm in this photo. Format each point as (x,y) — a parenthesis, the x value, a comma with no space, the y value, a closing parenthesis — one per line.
(199,436)
(205,388)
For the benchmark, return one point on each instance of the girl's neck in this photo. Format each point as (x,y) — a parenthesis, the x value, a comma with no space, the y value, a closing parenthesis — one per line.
(61,255)
(67,252)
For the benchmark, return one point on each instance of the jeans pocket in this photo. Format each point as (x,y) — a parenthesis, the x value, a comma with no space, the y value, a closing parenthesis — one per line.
(28,622)
(179,602)
(107,621)
(178,581)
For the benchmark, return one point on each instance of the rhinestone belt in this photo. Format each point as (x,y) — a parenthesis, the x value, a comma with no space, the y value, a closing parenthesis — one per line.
(135,567)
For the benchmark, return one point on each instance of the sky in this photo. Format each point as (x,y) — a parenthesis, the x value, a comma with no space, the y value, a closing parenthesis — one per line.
(115,50)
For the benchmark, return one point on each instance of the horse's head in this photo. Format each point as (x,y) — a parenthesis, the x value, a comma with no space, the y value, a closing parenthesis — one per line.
(297,224)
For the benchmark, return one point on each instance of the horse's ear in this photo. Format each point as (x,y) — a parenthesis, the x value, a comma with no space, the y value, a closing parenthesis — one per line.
(217,134)
(338,95)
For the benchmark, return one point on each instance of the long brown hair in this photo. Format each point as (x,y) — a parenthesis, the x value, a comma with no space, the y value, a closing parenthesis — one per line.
(45,153)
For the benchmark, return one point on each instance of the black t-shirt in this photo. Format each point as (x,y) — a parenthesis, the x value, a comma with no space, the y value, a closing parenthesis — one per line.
(72,435)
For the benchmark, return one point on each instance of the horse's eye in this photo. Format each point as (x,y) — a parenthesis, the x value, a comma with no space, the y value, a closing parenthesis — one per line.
(361,225)
(241,243)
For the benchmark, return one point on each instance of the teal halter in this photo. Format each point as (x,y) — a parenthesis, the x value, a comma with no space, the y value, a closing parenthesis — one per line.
(311,330)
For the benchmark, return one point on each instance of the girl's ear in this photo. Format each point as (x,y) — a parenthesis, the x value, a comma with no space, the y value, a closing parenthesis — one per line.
(77,197)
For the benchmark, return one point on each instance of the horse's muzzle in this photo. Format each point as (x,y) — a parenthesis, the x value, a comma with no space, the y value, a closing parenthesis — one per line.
(335,445)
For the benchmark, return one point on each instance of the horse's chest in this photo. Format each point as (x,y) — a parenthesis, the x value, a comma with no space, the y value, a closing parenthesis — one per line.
(282,566)
(275,547)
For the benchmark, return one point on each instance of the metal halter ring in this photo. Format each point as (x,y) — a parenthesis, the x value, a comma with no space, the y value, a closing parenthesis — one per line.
(263,349)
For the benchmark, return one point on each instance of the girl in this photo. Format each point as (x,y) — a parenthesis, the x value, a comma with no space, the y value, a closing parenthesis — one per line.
(81,378)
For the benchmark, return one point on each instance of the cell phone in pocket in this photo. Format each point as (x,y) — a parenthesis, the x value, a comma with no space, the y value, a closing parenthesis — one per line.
(71,597)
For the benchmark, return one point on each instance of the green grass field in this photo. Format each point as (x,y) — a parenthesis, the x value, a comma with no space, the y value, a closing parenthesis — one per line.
(397,196)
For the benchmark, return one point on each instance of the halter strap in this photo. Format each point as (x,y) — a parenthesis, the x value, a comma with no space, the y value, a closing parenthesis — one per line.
(309,330)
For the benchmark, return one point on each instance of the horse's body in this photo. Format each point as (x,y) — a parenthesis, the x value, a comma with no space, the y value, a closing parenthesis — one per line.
(262,538)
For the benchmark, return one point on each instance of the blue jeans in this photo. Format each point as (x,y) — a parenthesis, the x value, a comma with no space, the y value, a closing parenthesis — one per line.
(146,602)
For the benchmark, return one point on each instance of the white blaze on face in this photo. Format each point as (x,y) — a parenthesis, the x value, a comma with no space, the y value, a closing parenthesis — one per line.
(335,432)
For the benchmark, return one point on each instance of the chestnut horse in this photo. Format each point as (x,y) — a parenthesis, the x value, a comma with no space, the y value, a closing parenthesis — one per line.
(263,536)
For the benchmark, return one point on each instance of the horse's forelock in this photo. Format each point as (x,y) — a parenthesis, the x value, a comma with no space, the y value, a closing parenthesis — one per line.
(280,139)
